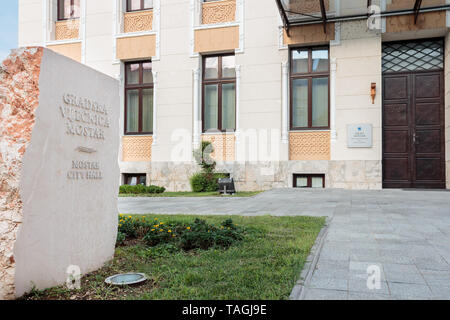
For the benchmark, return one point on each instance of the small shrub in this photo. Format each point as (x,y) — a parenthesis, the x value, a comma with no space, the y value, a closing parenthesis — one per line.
(127,226)
(212,184)
(155,189)
(140,189)
(207,179)
(198,235)
(121,237)
(199,183)
(159,233)
(203,235)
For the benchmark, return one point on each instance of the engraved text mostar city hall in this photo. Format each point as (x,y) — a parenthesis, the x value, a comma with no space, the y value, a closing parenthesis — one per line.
(84,117)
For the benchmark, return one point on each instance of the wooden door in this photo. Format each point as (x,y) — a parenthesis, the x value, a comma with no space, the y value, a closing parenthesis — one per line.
(413,130)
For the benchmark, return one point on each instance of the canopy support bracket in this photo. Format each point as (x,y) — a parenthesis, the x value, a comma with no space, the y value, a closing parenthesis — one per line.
(324,15)
(417,5)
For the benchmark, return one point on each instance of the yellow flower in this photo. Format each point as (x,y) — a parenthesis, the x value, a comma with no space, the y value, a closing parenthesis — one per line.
(189,228)
(169,231)
(156,218)
(161,222)
(153,229)
(129,217)
(156,226)
(161,230)
(173,236)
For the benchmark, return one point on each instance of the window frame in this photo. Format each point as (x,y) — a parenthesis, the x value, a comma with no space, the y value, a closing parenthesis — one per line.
(310,75)
(309,177)
(126,176)
(140,87)
(219,81)
(141,7)
(72,5)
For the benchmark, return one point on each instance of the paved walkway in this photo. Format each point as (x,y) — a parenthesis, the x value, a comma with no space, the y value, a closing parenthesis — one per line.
(406,234)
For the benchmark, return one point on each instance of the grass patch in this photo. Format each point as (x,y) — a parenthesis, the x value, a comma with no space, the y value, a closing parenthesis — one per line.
(191,194)
(265,265)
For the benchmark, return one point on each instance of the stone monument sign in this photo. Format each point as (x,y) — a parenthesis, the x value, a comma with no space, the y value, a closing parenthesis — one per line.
(59,142)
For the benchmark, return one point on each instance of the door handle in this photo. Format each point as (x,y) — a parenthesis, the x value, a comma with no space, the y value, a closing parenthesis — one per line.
(415,139)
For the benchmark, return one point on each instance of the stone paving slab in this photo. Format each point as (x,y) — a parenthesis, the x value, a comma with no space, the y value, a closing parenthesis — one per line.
(406,233)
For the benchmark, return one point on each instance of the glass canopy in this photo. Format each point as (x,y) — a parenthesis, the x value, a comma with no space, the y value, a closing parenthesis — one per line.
(299,12)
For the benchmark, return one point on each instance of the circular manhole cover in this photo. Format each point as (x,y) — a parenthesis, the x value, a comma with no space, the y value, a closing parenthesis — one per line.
(126,279)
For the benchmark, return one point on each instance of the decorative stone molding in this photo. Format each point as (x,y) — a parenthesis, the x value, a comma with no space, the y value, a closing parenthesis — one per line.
(219,12)
(155,109)
(333,68)
(197,109)
(67,29)
(217,39)
(71,50)
(137,148)
(309,145)
(136,47)
(285,101)
(307,34)
(224,146)
(238,108)
(138,21)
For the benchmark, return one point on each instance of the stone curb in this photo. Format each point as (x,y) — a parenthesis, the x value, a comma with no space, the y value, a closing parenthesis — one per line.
(297,292)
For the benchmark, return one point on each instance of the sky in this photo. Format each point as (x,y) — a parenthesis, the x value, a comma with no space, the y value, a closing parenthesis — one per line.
(8,26)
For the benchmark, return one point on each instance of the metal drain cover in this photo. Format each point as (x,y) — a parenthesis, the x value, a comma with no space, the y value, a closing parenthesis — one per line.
(126,279)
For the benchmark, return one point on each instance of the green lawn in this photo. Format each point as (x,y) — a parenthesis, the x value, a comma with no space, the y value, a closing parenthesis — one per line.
(191,194)
(265,265)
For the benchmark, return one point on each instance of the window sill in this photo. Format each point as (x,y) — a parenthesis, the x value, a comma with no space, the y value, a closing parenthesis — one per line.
(309,130)
(68,19)
(218,132)
(137,134)
(143,10)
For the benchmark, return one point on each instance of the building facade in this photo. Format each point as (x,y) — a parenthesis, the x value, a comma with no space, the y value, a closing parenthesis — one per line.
(291,93)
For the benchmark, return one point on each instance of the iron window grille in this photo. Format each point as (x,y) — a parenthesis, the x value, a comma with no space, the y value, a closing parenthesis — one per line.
(423,55)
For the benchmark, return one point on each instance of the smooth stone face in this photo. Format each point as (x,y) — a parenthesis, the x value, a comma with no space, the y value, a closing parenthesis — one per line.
(67,180)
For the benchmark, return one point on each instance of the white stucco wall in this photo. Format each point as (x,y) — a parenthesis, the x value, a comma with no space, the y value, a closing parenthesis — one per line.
(30,23)
(175,82)
(261,69)
(358,60)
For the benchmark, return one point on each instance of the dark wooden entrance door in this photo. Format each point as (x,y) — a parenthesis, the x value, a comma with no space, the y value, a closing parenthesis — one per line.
(413,130)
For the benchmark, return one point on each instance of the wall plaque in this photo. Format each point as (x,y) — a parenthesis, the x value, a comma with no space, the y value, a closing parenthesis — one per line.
(359,136)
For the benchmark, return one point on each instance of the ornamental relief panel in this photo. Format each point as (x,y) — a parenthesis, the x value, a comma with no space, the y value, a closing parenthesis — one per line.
(137,148)
(138,21)
(314,145)
(219,11)
(223,146)
(67,29)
